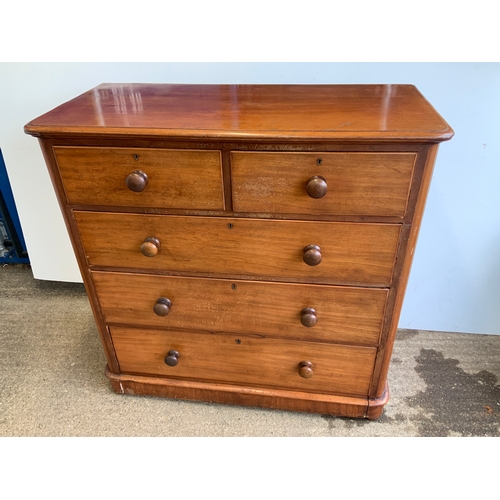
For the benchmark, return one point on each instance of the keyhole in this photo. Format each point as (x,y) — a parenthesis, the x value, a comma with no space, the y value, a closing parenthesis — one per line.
(230,226)
(136,157)
(319,161)
(233,286)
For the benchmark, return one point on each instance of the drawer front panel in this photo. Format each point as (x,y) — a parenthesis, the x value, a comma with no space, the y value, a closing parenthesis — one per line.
(181,179)
(374,184)
(245,360)
(350,253)
(343,314)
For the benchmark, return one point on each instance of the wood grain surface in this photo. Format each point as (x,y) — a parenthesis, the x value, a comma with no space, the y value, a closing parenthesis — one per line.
(397,292)
(352,253)
(345,314)
(263,397)
(245,360)
(257,238)
(358,183)
(372,113)
(182,179)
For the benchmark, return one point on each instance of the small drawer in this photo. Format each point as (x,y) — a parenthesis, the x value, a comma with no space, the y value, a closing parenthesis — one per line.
(273,250)
(375,184)
(319,313)
(260,362)
(140,177)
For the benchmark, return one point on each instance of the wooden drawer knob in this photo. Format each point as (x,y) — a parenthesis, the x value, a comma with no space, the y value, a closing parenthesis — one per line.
(312,255)
(172,358)
(316,186)
(308,317)
(150,247)
(136,181)
(162,306)
(305,369)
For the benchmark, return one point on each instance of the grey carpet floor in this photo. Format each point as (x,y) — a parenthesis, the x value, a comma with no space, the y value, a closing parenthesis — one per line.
(52,381)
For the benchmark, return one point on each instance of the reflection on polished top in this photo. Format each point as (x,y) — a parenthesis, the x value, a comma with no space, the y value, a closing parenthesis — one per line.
(284,112)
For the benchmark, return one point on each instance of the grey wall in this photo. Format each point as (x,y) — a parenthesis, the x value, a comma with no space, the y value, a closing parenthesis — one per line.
(455,280)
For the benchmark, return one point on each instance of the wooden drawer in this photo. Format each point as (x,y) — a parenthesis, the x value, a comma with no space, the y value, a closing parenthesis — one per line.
(357,183)
(181,179)
(244,360)
(343,314)
(352,253)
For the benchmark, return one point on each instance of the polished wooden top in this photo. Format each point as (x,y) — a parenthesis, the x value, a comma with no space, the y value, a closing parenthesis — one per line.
(266,112)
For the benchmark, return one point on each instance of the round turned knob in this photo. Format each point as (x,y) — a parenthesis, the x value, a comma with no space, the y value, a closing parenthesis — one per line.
(136,181)
(312,255)
(162,306)
(150,247)
(316,186)
(308,317)
(172,358)
(305,369)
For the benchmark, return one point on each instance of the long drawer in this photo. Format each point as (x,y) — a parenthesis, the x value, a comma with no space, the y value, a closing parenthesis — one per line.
(322,183)
(303,312)
(336,253)
(141,177)
(335,369)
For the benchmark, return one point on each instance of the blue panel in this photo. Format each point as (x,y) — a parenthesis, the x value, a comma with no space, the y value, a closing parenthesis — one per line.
(12,245)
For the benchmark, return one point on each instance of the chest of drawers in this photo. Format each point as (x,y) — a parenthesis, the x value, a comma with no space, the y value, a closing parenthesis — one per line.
(246,244)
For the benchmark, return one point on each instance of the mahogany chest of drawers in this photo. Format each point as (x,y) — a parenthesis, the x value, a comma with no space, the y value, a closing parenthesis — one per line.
(246,244)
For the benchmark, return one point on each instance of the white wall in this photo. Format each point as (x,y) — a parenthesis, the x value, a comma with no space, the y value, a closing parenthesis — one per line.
(455,280)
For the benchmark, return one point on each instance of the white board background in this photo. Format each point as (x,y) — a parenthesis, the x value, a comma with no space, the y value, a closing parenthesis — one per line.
(455,279)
